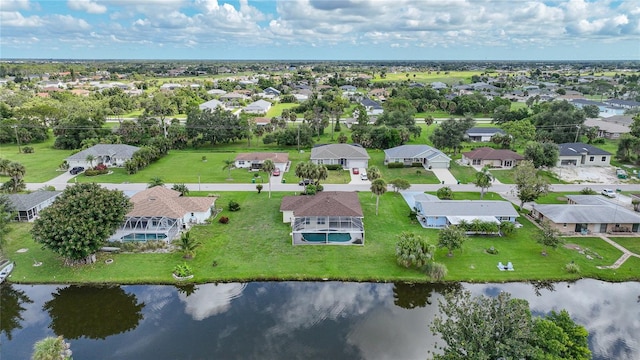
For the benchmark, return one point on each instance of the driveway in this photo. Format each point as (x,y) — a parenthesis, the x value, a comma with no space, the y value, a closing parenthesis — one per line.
(445,176)
(60,181)
(356,180)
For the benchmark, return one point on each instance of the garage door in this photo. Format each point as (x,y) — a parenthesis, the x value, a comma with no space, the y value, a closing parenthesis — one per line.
(357,163)
(439,165)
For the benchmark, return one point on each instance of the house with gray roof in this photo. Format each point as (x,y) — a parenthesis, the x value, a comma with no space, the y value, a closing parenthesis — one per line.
(605,129)
(483,134)
(585,214)
(212,105)
(435,213)
(326,218)
(372,107)
(429,157)
(27,206)
(580,154)
(493,158)
(258,107)
(107,154)
(347,155)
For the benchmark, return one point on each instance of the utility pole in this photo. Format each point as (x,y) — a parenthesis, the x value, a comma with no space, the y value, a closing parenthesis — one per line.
(577,134)
(15,129)
(298,138)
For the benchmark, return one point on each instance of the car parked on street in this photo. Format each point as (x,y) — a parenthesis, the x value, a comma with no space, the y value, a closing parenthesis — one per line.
(76,170)
(608,193)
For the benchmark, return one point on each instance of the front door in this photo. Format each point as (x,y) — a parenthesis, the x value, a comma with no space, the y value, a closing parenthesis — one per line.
(635,227)
(603,228)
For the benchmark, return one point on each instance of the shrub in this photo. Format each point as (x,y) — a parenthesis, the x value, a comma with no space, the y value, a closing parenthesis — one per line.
(416,164)
(395,165)
(27,149)
(223,220)
(319,188)
(588,191)
(234,206)
(492,251)
(310,189)
(259,188)
(507,228)
(413,250)
(204,158)
(436,271)
(94,172)
(572,268)
(444,193)
(182,270)
(333,167)
(100,167)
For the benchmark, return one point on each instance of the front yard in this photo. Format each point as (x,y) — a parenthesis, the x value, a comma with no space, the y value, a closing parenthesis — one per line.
(256,245)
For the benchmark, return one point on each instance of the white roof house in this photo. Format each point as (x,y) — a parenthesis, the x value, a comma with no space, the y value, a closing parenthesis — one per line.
(258,107)
(212,105)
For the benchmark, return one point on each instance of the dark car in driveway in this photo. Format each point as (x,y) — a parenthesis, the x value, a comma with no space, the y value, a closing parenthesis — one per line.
(76,170)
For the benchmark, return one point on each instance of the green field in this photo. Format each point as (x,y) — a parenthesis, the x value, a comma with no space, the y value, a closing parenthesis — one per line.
(256,245)
(41,165)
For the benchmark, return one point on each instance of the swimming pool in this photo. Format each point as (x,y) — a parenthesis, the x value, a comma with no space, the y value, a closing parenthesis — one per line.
(321,237)
(143,237)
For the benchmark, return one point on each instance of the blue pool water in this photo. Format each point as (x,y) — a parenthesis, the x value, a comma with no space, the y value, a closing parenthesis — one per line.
(333,237)
(143,237)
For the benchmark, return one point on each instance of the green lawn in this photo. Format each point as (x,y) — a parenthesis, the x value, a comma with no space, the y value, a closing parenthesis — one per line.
(505,176)
(276,109)
(41,165)
(630,243)
(256,245)
(464,174)
(415,175)
(448,77)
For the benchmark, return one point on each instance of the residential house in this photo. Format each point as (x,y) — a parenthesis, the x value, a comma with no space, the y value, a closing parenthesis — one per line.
(216,92)
(373,108)
(580,154)
(438,85)
(272,91)
(212,105)
(324,218)
(258,107)
(107,154)
(347,155)
(27,206)
(584,214)
(435,213)
(169,87)
(625,104)
(604,109)
(262,121)
(607,129)
(426,155)
(160,214)
(493,158)
(254,161)
(483,134)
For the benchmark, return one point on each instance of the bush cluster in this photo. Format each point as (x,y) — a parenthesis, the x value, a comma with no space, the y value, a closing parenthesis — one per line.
(234,206)
(492,251)
(333,167)
(27,149)
(94,172)
(395,165)
(223,220)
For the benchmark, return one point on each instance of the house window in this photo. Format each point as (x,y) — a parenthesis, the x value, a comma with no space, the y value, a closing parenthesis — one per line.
(191,214)
(592,158)
(604,158)
(307,221)
(321,221)
(476,162)
(241,162)
(564,225)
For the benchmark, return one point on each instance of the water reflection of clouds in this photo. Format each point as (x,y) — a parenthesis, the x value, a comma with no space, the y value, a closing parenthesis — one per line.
(211,299)
(610,312)
(312,303)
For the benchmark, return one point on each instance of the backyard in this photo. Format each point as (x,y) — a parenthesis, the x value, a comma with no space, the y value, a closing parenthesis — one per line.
(256,245)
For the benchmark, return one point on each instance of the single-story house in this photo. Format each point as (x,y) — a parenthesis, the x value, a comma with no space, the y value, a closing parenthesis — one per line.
(347,155)
(435,213)
(107,154)
(27,206)
(324,218)
(262,121)
(607,129)
(254,161)
(258,107)
(272,91)
(483,134)
(584,214)
(494,158)
(212,105)
(580,154)
(426,155)
(160,213)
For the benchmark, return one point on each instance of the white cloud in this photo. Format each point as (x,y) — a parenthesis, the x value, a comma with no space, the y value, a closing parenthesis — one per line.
(15,19)
(211,299)
(12,5)
(87,5)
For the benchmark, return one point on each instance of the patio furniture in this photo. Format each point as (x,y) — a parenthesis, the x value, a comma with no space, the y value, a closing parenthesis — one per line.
(501,267)
(510,266)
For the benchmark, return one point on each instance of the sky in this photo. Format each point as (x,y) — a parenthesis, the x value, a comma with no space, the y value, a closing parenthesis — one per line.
(321,29)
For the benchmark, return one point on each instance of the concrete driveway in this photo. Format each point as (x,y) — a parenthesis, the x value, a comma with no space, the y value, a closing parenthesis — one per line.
(356,180)
(445,176)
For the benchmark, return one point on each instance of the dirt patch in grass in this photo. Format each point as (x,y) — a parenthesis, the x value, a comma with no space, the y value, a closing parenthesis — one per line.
(572,247)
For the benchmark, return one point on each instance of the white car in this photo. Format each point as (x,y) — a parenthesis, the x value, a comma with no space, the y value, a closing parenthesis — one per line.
(363,176)
(608,193)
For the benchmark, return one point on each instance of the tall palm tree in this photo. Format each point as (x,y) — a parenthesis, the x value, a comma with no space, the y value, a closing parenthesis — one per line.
(16,171)
(90,158)
(182,188)
(155,181)
(321,173)
(268,166)
(4,165)
(483,180)
(378,187)
(228,165)
(373,173)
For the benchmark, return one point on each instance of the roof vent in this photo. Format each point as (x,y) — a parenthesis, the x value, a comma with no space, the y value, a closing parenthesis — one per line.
(152,198)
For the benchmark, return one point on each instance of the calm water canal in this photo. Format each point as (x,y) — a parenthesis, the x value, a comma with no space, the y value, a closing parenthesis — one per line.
(285,320)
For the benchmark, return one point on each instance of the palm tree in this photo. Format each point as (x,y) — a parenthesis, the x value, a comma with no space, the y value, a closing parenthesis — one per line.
(321,173)
(268,166)
(373,173)
(90,159)
(4,165)
(182,188)
(228,165)
(378,187)
(155,181)
(483,180)
(188,245)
